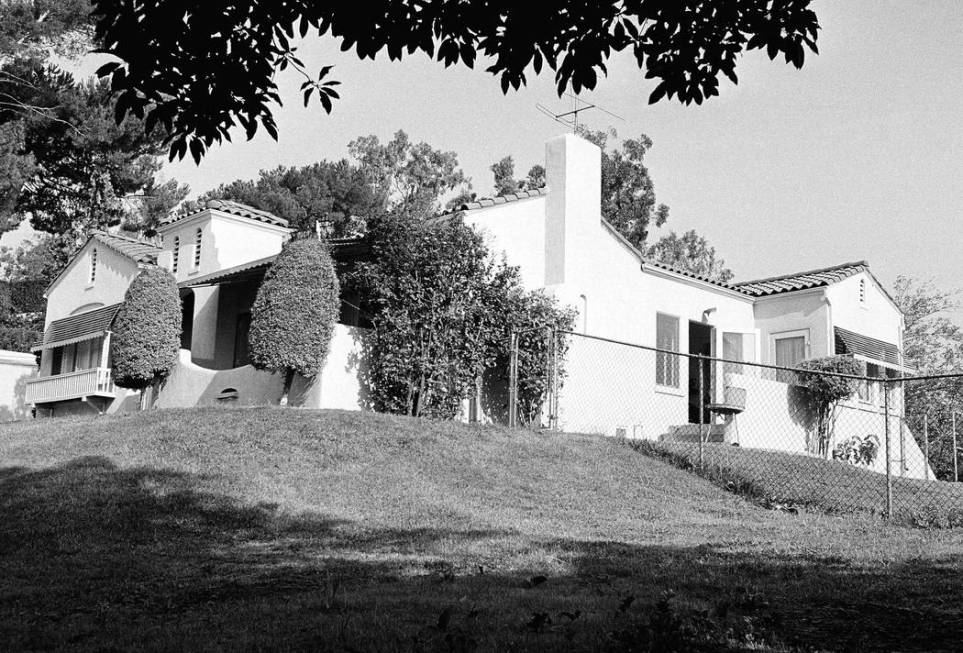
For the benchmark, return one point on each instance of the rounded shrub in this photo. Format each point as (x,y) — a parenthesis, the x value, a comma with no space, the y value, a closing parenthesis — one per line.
(295,311)
(147,331)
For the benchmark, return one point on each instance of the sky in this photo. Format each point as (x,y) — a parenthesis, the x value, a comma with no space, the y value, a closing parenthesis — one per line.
(859,155)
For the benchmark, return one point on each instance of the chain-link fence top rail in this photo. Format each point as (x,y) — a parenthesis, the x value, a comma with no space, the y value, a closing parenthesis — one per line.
(888,446)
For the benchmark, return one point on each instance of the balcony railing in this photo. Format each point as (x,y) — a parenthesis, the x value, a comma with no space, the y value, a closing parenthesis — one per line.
(73,385)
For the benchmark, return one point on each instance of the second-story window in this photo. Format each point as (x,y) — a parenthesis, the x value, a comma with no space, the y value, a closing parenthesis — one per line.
(176,254)
(93,265)
(197,248)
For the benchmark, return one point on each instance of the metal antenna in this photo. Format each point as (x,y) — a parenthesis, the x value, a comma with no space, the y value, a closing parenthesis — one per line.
(570,118)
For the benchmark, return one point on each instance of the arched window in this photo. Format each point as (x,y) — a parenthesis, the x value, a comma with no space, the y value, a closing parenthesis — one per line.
(197,248)
(176,254)
(93,265)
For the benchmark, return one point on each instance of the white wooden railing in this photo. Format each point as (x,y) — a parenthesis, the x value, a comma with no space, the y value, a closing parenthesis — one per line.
(73,385)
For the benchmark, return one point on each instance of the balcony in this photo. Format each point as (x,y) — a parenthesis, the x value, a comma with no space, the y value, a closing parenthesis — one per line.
(73,385)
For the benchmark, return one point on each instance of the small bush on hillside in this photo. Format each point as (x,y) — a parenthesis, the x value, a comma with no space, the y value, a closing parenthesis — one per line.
(824,392)
(295,311)
(857,450)
(147,332)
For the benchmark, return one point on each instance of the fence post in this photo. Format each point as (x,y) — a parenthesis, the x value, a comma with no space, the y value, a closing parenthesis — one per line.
(513,380)
(926,448)
(701,404)
(956,476)
(889,474)
(553,421)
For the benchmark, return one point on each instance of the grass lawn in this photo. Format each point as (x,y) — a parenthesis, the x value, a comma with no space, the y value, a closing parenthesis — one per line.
(830,485)
(273,529)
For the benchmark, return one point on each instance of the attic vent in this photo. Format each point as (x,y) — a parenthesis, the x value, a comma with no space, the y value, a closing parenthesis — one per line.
(176,254)
(862,291)
(93,265)
(197,248)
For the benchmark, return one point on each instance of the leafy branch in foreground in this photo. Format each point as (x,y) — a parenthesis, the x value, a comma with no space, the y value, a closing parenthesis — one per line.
(200,69)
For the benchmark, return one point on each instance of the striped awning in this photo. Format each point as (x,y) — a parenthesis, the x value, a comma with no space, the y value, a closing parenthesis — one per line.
(850,342)
(86,326)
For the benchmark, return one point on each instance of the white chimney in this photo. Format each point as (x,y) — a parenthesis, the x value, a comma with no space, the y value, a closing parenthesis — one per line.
(573,171)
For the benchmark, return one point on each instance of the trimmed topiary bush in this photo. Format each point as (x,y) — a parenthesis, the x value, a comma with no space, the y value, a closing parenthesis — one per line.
(147,332)
(295,312)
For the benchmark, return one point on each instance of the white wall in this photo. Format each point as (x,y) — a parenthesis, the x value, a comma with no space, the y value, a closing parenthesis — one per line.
(340,383)
(192,385)
(240,240)
(74,290)
(15,369)
(518,230)
(875,317)
(805,310)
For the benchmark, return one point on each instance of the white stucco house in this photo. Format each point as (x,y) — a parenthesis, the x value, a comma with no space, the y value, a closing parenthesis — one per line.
(558,238)
(561,243)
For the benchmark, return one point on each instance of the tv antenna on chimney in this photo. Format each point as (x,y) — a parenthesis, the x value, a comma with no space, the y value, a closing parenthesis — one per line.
(570,118)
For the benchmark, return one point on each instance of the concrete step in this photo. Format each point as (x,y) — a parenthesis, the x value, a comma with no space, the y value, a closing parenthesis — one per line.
(690,433)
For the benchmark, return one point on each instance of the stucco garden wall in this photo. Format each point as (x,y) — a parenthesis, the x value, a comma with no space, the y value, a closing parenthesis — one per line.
(338,385)
(16,368)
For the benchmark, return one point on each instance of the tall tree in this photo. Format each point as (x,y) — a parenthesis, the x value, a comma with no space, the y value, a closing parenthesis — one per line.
(932,344)
(410,178)
(690,252)
(338,193)
(504,173)
(201,69)
(86,170)
(38,28)
(628,194)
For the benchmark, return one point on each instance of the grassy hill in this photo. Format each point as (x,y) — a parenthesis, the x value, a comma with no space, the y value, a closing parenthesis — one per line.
(272,529)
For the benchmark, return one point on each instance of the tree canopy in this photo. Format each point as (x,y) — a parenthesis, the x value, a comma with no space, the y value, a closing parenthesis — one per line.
(442,312)
(200,69)
(337,193)
(690,252)
(398,177)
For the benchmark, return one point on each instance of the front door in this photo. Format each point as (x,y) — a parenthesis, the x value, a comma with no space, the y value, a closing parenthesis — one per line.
(701,339)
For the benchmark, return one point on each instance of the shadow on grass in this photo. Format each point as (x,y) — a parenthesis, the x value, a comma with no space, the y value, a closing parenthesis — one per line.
(93,557)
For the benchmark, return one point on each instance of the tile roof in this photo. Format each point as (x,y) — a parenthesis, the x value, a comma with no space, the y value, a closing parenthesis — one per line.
(801,280)
(234,208)
(484,202)
(140,251)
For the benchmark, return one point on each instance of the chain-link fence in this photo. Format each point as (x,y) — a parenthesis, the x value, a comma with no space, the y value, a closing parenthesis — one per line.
(889,446)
